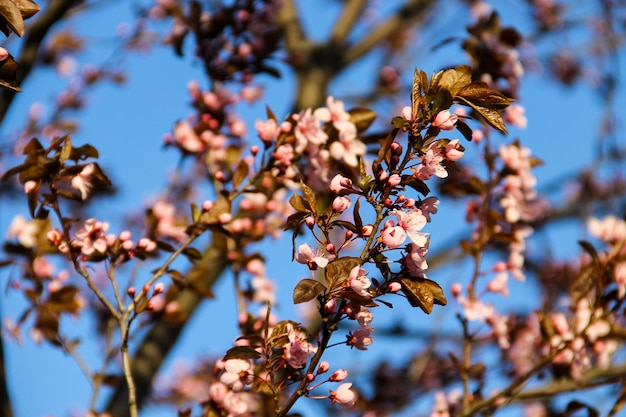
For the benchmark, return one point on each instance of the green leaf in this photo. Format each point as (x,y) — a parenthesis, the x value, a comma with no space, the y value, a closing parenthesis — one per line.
(195,212)
(242,352)
(240,173)
(307,290)
(423,293)
(338,271)
(362,118)
(299,204)
(309,195)
(66,150)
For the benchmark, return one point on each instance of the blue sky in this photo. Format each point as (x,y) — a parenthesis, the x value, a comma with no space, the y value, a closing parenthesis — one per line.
(127,124)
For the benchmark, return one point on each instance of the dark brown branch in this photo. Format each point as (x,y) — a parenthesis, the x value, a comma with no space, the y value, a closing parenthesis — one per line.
(412,12)
(5,400)
(35,34)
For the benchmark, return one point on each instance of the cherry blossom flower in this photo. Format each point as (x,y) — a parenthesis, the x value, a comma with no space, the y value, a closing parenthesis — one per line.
(313,259)
(338,376)
(445,120)
(392,235)
(92,238)
(348,148)
(428,206)
(298,350)
(340,183)
(333,112)
(475,309)
(341,203)
(187,139)
(344,396)
(516,115)
(431,164)
(415,260)
(308,130)
(26,231)
(268,131)
(610,229)
(237,374)
(412,222)
(453,150)
(359,282)
(360,338)
(82,181)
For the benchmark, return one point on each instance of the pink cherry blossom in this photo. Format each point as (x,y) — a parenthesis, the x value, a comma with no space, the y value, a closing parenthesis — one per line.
(415,260)
(82,181)
(445,120)
(392,235)
(313,259)
(412,222)
(338,376)
(453,150)
(428,206)
(475,309)
(333,112)
(298,350)
(348,148)
(360,338)
(237,374)
(268,131)
(187,139)
(24,230)
(344,396)
(359,282)
(308,130)
(516,115)
(341,203)
(340,183)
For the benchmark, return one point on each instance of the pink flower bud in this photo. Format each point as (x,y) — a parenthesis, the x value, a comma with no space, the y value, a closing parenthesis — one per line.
(445,120)
(367,230)
(383,175)
(310,221)
(207,205)
(323,367)
(158,288)
(225,218)
(220,176)
(341,204)
(310,377)
(30,186)
(456,289)
(330,306)
(131,291)
(396,148)
(338,376)
(349,234)
(4,54)
(330,248)
(394,180)
(394,287)
(254,150)
(128,245)
(125,235)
